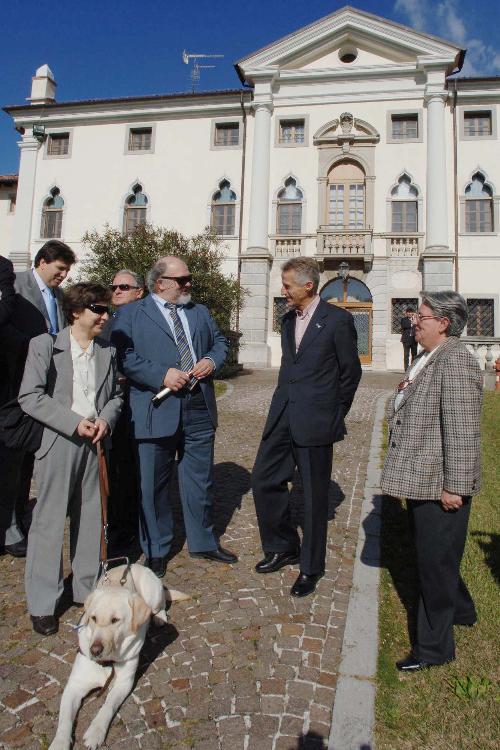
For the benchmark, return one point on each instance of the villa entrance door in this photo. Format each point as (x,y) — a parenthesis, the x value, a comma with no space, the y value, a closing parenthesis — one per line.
(353,295)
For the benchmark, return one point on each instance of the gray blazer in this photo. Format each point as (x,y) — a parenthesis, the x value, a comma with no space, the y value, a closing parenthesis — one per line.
(55,411)
(434,438)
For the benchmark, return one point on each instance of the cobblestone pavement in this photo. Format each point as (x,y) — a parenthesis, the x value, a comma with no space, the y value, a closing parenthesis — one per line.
(242,664)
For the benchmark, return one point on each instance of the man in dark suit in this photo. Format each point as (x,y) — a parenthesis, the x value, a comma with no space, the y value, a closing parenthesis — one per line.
(319,374)
(7,297)
(408,337)
(164,341)
(37,309)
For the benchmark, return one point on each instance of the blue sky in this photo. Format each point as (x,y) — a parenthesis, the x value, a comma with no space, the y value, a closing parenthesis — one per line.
(107,48)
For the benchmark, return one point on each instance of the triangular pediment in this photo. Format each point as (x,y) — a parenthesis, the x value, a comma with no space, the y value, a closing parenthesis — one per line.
(332,42)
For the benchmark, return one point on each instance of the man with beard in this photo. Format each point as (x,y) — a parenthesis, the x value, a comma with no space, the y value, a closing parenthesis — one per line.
(166,341)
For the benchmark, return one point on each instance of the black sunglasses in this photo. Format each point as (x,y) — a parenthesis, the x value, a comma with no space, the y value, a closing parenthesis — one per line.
(98,309)
(122,287)
(181,280)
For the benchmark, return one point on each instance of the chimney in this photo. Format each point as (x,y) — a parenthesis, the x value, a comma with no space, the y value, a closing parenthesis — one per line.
(43,88)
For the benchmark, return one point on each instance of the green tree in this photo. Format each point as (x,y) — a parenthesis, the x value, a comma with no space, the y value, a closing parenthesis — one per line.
(111,251)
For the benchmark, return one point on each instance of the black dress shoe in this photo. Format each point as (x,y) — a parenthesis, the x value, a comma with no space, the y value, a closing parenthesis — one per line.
(412,664)
(305,584)
(45,625)
(274,561)
(158,565)
(217,555)
(18,549)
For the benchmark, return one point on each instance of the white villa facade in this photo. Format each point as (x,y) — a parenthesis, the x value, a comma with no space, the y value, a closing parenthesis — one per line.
(349,143)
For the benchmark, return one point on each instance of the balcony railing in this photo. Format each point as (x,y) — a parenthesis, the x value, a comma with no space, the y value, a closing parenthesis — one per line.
(404,245)
(486,350)
(287,247)
(344,243)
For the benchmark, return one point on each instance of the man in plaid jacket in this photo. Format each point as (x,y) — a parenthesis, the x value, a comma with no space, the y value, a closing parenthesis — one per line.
(433,460)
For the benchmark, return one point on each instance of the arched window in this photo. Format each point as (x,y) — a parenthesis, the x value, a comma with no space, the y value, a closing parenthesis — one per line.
(52,214)
(135,210)
(478,205)
(289,216)
(223,209)
(404,205)
(346,290)
(346,196)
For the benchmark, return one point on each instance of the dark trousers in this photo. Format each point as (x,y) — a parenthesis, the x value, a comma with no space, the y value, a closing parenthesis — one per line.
(275,464)
(444,599)
(123,510)
(16,472)
(407,350)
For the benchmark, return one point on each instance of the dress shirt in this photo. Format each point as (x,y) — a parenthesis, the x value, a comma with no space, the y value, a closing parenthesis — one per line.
(83,379)
(47,292)
(303,320)
(182,317)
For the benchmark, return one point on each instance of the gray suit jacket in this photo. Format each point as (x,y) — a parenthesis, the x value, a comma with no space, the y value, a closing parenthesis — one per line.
(55,411)
(29,318)
(434,440)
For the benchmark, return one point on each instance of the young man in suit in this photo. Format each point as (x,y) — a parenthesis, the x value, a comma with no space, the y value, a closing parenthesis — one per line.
(37,309)
(319,374)
(164,341)
(408,337)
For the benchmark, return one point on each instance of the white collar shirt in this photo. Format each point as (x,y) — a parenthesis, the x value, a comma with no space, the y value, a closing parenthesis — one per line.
(182,317)
(84,383)
(45,290)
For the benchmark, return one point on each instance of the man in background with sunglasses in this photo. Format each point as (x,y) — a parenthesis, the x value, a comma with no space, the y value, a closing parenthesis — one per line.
(126,287)
(166,341)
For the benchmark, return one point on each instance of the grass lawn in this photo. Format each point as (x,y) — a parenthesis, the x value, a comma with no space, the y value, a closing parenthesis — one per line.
(457,705)
(220,388)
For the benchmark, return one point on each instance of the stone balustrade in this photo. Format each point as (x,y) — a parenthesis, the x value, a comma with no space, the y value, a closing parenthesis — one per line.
(486,349)
(344,243)
(287,247)
(404,245)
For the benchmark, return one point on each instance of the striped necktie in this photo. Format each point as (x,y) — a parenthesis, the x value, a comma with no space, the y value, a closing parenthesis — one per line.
(185,355)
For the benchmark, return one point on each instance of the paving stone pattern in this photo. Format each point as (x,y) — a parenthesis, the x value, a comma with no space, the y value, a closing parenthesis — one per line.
(240,665)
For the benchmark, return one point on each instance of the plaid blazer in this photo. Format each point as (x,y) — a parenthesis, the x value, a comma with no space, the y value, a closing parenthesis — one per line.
(434,435)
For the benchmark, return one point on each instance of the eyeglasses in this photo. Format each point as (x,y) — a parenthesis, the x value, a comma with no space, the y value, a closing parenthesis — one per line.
(428,317)
(122,287)
(181,280)
(98,309)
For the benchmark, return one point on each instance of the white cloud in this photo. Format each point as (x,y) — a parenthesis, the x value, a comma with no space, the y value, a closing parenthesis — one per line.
(447,20)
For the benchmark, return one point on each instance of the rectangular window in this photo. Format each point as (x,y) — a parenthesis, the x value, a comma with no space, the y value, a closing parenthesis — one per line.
(292,131)
(404,127)
(134,218)
(477,123)
(280,308)
(479,215)
(481,320)
(58,144)
(289,218)
(223,219)
(404,216)
(52,224)
(139,139)
(398,309)
(336,206)
(356,206)
(227,134)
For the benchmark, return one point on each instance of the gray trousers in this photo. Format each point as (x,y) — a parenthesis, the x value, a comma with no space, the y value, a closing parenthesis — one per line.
(68,485)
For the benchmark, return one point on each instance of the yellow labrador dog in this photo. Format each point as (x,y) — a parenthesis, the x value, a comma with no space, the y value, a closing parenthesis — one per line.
(111,634)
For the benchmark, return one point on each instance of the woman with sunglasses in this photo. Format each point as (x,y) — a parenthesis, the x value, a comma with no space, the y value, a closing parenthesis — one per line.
(70,386)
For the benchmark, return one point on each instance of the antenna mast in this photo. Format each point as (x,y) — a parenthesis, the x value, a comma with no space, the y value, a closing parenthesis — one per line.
(194,74)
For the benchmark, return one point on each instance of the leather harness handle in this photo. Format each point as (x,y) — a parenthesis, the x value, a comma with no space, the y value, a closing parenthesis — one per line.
(104,490)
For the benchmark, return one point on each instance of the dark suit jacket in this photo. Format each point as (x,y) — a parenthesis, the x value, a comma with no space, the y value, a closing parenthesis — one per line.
(29,319)
(147,349)
(7,296)
(407,336)
(319,381)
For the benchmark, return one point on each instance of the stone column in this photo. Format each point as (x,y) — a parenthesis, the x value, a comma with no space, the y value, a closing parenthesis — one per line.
(437,264)
(20,254)
(255,260)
